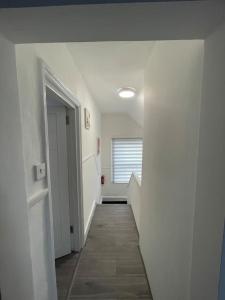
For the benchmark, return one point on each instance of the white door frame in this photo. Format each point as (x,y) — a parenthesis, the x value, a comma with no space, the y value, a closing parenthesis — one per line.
(49,80)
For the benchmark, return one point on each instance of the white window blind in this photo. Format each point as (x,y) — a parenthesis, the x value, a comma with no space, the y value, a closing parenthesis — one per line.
(126,159)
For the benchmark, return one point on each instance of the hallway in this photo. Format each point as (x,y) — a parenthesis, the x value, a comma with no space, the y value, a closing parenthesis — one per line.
(110,265)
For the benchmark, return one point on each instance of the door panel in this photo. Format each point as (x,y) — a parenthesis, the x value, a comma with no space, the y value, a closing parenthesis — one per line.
(59,179)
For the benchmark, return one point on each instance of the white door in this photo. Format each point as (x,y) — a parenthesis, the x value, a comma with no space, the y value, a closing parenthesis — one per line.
(59,179)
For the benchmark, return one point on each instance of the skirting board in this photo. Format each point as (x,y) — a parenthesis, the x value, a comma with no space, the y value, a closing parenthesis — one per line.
(143,262)
(114,198)
(89,221)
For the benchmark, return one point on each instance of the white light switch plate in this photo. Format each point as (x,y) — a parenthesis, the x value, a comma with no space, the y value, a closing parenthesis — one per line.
(40,171)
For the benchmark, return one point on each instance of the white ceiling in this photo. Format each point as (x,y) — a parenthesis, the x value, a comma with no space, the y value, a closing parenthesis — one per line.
(113,22)
(108,66)
(114,64)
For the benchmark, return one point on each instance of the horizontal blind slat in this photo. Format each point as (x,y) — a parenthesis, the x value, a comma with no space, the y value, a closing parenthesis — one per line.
(126,158)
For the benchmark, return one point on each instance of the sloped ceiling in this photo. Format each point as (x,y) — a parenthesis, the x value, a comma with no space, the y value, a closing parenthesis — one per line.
(108,66)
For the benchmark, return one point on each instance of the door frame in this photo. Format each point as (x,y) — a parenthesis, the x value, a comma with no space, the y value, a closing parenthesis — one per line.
(50,81)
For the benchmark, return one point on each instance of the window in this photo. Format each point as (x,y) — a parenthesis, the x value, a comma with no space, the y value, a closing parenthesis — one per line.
(126,159)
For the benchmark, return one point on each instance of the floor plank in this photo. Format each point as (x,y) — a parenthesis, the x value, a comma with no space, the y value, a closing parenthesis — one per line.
(110,265)
(64,272)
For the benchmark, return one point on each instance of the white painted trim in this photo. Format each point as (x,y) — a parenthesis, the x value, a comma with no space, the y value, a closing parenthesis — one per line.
(96,163)
(87,157)
(89,220)
(58,87)
(36,198)
(49,80)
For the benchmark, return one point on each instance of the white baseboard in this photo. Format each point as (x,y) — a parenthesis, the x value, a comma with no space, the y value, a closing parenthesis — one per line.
(89,221)
(113,196)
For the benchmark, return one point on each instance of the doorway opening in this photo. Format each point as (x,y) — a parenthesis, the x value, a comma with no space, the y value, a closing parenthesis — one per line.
(63,157)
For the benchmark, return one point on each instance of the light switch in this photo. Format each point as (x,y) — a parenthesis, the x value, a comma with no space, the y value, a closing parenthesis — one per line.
(40,171)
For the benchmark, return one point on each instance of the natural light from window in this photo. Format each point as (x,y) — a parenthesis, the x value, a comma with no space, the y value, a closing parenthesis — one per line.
(126,159)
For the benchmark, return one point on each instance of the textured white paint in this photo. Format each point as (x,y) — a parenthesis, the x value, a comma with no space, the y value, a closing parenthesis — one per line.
(15,257)
(172,112)
(58,58)
(115,126)
(210,193)
(109,66)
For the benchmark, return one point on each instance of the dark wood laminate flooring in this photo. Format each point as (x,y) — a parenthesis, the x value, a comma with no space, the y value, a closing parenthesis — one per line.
(64,272)
(110,265)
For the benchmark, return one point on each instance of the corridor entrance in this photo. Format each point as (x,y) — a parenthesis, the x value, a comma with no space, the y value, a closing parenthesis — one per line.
(62,135)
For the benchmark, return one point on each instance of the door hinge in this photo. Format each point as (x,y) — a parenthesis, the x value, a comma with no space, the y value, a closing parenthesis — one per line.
(71,229)
(67,120)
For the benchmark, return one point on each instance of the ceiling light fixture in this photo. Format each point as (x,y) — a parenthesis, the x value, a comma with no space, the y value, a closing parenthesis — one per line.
(126,93)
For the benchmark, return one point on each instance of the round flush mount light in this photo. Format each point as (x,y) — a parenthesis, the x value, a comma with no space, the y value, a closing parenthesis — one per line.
(127,92)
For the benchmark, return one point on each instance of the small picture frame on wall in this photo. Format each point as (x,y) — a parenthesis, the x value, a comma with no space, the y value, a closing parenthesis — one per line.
(87,118)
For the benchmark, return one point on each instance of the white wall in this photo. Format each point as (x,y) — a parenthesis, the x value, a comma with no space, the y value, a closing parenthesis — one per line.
(61,63)
(15,259)
(134,198)
(210,193)
(92,188)
(115,126)
(172,113)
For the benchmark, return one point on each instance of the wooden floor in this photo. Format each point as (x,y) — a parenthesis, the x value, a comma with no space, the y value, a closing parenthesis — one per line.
(65,267)
(110,265)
